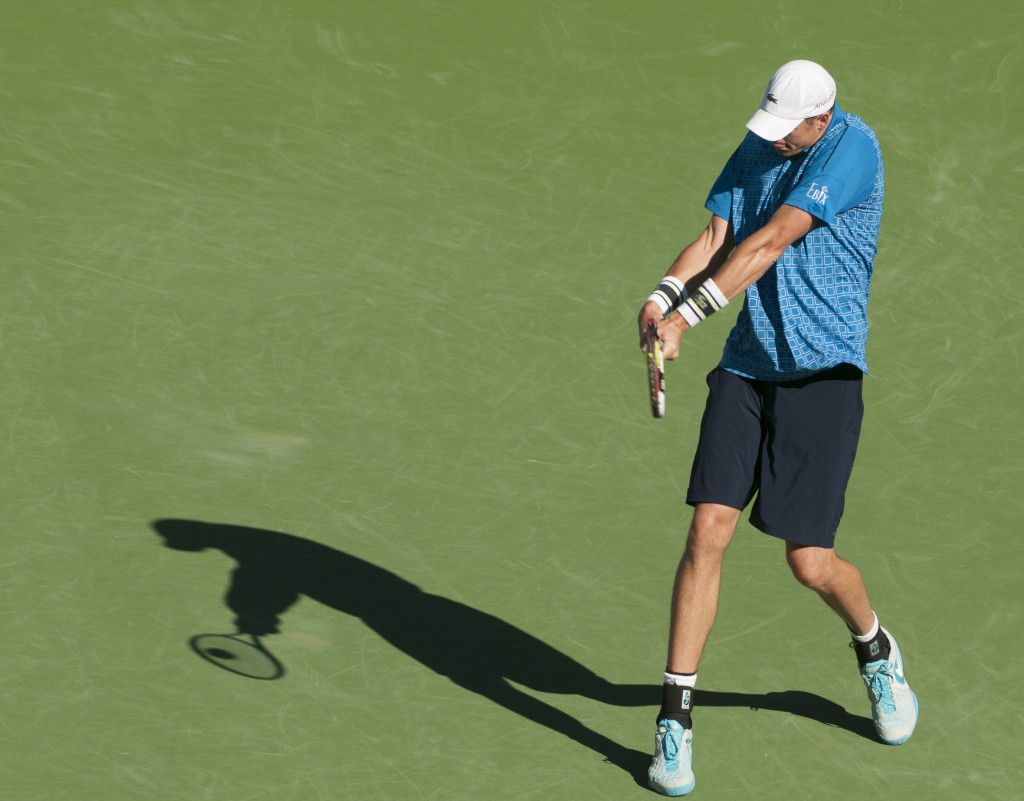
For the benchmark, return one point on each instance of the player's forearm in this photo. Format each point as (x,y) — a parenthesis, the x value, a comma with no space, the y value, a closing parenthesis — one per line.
(695,265)
(744,266)
(755,255)
(731,277)
(705,255)
(699,260)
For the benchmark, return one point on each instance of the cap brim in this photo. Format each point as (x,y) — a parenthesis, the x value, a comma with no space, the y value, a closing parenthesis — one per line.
(770,127)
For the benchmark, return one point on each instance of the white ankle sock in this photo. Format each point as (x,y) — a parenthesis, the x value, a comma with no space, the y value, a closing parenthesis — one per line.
(870,635)
(681,679)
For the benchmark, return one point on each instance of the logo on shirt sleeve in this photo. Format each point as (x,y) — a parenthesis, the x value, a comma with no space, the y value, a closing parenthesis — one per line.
(818,193)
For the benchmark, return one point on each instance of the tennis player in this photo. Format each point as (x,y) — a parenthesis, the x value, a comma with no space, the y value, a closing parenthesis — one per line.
(794,227)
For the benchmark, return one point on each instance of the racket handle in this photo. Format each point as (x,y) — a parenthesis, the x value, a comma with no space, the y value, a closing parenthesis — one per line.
(655,369)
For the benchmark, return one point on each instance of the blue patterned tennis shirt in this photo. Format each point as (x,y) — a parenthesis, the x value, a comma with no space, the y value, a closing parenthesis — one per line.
(808,312)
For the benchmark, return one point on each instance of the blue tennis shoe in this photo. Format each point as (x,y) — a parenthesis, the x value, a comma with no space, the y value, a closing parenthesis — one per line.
(893,703)
(670,772)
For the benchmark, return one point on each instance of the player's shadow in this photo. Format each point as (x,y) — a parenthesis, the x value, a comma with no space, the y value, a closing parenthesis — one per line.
(794,702)
(477,651)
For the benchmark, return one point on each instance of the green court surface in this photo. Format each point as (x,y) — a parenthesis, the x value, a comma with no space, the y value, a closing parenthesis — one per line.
(322,313)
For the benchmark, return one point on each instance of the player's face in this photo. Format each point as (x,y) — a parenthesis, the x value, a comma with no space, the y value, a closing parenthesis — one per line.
(803,136)
(799,140)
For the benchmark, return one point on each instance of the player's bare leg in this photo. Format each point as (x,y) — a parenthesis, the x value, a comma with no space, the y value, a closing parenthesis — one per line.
(694,606)
(698,578)
(837,582)
(894,706)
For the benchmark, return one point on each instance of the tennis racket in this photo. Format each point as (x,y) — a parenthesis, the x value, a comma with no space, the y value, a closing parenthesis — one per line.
(655,368)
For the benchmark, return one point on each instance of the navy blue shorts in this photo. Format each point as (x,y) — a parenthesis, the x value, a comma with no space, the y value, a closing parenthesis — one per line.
(788,446)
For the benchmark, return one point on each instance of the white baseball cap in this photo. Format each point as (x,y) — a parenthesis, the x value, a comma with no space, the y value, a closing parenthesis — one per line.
(798,90)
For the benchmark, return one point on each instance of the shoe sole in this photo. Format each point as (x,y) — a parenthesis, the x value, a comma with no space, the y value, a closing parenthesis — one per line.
(674,791)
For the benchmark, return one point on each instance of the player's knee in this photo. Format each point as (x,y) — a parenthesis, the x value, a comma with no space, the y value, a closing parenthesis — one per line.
(812,567)
(711,530)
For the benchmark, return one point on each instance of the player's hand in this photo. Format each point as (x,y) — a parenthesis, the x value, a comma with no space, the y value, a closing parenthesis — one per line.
(650,311)
(670,329)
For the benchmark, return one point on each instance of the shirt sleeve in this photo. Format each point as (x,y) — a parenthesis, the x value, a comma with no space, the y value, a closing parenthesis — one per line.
(840,180)
(719,200)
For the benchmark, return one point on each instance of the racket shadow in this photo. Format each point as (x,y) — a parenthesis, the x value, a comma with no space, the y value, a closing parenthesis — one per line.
(475,650)
(236,653)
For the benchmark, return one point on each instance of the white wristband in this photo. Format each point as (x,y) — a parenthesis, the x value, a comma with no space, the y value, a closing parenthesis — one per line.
(704,302)
(668,294)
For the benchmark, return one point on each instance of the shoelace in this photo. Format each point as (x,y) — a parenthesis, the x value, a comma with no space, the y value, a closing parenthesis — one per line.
(881,685)
(669,748)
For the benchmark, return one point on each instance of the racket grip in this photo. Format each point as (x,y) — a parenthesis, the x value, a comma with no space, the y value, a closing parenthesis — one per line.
(655,369)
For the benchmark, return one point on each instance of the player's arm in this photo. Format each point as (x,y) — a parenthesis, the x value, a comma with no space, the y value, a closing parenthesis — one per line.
(758,252)
(698,260)
(705,254)
(744,265)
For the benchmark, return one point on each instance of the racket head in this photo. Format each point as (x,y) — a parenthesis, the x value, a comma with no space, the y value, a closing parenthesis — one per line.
(238,654)
(655,368)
